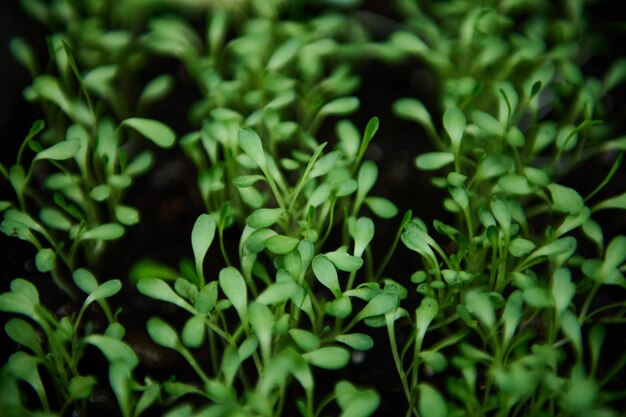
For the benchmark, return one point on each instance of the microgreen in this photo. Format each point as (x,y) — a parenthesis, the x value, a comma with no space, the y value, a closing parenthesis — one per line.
(504,298)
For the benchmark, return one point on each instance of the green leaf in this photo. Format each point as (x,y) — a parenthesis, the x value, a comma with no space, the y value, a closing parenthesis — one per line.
(454,122)
(344,261)
(234,287)
(255,243)
(149,396)
(99,79)
(60,151)
(571,329)
(431,161)
(382,207)
(362,232)
(120,379)
(264,217)
(54,219)
(283,54)
(251,144)
(358,341)
(356,402)
(326,274)
(487,123)
(305,340)
(366,178)
(425,314)
(85,280)
(278,292)
(618,203)
(280,244)
(262,320)
(45,260)
(157,132)
(414,110)
(202,236)
(105,290)
(81,387)
(330,357)
(521,247)
(512,314)
(113,349)
(126,215)
(381,304)
(24,367)
(24,54)
(162,333)
(159,290)
(340,106)
(21,332)
(615,252)
(436,361)
(514,184)
(538,297)
(501,211)
(325,164)
(563,289)
(156,89)
(480,305)
(558,247)
(193,332)
(566,199)
(340,307)
(107,231)
(431,403)
(370,130)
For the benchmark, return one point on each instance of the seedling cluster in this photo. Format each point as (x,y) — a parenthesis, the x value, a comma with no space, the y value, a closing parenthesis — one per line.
(510,302)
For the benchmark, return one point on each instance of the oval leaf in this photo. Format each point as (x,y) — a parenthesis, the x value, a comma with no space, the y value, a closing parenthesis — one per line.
(157,132)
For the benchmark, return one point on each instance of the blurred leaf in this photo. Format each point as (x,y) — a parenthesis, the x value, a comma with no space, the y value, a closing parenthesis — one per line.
(431,161)
(454,122)
(382,207)
(304,339)
(81,387)
(156,89)
(340,106)
(21,332)
(45,260)
(431,403)
(193,332)
(85,280)
(60,151)
(330,357)
(108,231)
(157,132)
(126,215)
(162,333)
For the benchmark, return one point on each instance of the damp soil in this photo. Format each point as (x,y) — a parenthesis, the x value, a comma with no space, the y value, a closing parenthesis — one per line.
(169,202)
